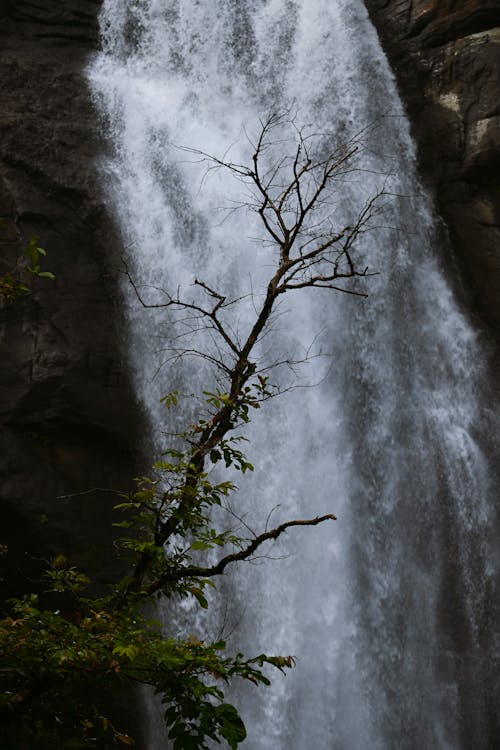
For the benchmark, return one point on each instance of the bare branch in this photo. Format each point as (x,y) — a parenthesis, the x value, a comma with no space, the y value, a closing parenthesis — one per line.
(194,571)
(294,191)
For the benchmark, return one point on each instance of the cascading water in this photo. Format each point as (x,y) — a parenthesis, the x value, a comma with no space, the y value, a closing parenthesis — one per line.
(391,611)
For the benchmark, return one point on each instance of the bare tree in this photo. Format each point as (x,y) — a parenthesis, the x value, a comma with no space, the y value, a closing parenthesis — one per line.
(294,195)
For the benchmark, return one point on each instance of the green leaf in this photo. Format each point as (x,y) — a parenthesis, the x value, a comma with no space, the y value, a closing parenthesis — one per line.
(170,399)
(129,651)
(199,545)
(232,728)
(198,595)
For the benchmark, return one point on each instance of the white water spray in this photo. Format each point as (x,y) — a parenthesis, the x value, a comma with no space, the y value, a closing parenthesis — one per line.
(390,440)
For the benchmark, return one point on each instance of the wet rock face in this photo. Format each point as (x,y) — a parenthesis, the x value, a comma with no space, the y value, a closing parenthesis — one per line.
(446,56)
(51,18)
(67,415)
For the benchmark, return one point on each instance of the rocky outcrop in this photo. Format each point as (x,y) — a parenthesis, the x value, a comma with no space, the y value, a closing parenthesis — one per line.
(446,56)
(67,415)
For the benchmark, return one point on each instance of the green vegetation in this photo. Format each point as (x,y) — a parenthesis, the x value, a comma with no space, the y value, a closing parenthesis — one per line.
(65,644)
(13,283)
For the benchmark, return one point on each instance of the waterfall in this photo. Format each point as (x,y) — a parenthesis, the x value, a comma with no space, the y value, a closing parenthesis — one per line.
(391,611)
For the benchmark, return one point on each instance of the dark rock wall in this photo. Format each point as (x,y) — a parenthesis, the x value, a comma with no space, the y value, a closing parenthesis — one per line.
(68,422)
(446,56)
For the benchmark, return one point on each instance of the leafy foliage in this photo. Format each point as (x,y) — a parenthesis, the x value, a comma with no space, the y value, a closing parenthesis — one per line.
(49,662)
(60,646)
(13,283)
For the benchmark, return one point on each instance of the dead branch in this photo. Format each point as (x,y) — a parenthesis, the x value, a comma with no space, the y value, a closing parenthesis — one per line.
(194,571)
(293,193)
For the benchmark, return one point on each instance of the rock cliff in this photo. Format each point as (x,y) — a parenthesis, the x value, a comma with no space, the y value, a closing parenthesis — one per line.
(67,414)
(446,56)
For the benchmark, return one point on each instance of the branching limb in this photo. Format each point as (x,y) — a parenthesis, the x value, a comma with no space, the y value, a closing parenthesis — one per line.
(293,194)
(218,569)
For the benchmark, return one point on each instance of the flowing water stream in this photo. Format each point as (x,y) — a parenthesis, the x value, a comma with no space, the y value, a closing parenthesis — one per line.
(391,611)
